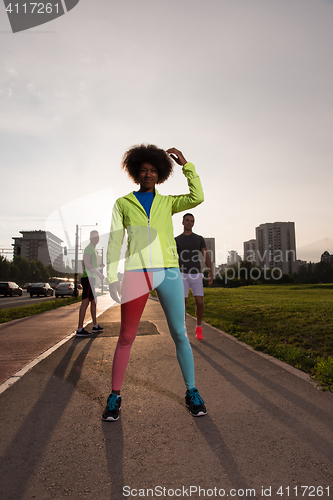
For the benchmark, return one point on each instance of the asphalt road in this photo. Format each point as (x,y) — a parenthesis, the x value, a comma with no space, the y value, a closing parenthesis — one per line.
(24,300)
(268,432)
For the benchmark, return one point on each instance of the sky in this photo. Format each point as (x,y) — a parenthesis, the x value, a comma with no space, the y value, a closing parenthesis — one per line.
(242,87)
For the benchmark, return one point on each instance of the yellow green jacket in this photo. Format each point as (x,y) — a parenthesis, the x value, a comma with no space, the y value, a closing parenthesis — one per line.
(150,241)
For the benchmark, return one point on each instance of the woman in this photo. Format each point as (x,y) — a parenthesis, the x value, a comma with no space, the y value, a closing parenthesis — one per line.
(151,262)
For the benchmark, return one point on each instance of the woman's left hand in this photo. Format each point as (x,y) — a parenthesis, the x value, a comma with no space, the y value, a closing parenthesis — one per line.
(115,293)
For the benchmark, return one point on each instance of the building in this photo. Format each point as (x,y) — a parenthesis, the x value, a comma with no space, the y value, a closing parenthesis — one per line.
(250,250)
(210,245)
(327,257)
(233,258)
(299,264)
(276,246)
(40,245)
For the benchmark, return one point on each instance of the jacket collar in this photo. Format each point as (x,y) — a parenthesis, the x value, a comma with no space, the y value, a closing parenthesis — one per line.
(131,196)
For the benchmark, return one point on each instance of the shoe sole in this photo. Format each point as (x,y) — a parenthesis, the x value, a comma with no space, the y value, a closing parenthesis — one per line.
(110,419)
(200,414)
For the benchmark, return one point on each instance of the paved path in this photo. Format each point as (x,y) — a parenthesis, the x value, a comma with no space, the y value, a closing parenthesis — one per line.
(268,431)
(27,340)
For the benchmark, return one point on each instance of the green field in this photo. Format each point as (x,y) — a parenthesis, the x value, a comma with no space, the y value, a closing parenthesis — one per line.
(293,323)
(30,310)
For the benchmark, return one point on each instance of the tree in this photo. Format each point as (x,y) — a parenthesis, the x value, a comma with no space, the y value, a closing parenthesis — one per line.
(323,272)
(4,268)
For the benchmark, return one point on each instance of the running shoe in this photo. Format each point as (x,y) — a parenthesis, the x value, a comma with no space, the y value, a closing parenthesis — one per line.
(113,406)
(83,333)
(195,403)
(97,328)
(198,332)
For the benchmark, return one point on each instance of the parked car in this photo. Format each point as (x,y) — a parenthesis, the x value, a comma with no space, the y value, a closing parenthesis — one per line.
(41,289)
(10,288)
(27,286)
(67,289)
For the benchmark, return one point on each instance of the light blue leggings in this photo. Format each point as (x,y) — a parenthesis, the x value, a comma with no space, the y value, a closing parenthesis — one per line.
(169,286)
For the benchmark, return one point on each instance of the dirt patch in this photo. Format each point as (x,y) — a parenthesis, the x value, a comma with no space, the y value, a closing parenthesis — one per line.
(111,329)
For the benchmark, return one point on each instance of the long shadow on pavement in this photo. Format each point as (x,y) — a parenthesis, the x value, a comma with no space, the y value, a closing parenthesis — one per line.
(113,434)
(217,444)
(305,433)
(21,457)
(293,397)
(114,449)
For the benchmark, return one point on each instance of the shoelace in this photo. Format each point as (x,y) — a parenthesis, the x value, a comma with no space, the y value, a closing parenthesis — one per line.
(196,398)
(112,403)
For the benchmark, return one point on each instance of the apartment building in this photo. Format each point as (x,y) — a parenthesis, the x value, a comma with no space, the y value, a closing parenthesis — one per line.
(39,245)
(233,258)
(276,246)
(210,245)
(250,250)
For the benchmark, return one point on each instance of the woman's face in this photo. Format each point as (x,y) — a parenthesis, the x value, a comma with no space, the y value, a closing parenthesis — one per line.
(148,177)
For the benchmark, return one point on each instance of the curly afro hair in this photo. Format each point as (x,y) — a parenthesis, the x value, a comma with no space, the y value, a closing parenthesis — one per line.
(147,153)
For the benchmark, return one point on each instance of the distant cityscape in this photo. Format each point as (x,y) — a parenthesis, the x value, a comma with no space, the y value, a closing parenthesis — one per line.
(274,247)
(46,247)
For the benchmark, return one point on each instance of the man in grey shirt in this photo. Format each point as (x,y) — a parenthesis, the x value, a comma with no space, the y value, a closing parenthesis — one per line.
(190,247)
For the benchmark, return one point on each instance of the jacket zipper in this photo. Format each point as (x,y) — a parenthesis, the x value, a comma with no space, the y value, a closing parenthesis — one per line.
(171,247)
(150,251)
(149,234)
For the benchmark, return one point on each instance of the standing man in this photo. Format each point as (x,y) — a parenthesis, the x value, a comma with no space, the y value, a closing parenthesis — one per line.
(88,284)
(190,246)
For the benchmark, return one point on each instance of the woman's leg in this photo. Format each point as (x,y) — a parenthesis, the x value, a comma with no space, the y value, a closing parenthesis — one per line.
(131,312)
(171,295)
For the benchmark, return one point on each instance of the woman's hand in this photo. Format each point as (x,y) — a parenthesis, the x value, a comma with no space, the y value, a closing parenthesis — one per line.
(177,156)
(114,289)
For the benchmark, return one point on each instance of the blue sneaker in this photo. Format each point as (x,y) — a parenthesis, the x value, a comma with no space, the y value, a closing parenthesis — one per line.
(113,406)
(195,403)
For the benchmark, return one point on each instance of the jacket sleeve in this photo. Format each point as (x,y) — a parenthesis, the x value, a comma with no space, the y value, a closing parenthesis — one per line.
(116,239)
(194,197)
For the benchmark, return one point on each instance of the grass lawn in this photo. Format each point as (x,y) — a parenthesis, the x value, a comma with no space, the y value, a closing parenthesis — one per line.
(293,323)
(24,311)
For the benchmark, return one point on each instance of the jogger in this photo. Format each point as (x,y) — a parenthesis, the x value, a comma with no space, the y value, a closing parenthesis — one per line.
(151,261)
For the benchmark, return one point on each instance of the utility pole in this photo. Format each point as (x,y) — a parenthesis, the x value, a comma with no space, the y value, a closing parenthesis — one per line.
(76,259)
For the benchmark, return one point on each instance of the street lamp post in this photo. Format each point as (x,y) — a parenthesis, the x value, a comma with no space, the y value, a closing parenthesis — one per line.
(76,260)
